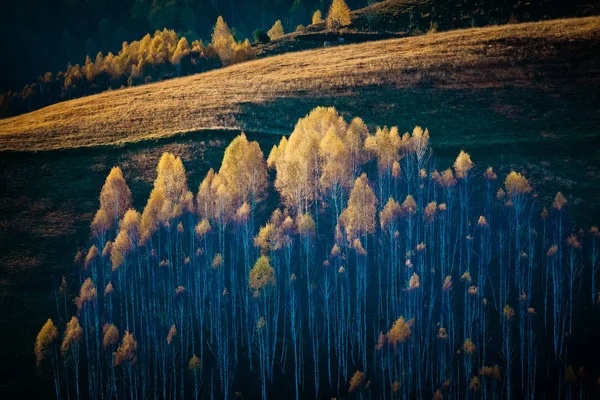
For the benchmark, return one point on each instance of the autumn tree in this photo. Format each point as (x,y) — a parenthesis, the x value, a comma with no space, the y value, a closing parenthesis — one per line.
(222,41)
(115,200)
(339,15)
(276,30)
(317,17)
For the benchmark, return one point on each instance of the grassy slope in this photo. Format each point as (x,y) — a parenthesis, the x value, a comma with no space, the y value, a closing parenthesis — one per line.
(531,55)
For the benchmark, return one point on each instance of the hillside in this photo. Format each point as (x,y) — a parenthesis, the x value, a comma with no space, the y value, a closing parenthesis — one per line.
(401,18)
(532,55)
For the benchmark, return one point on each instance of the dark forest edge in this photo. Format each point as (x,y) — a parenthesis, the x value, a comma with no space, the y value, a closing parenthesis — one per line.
(170,53)
(466,287)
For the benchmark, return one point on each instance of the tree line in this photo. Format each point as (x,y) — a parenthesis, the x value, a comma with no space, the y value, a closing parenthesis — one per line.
(364,268)
(163,55)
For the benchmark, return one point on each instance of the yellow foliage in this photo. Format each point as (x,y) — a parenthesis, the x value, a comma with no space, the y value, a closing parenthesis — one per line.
(276,152)
(126,351)
(242,52)
(44,339)
(262,275)
(336,170)
(276,30)
(182,50)
(222,41)
(107,249)
(468,346)
(516,184)
(339,15)
(101,223)
(243,172)
(115,199)
(267,238)
(317,17)
(559,201)
(243,212)
(111,336)
(414,282)
(489,174)
(399,332)
(299,162)
(91,256)
(466,276)
(87,293)
(356,381)
(203,227)
(390,212)
(442,334)
(194,364)
(396,169)
(385,146)
(409,207)
(447,179)
(429,212)
(508,312)
(462,165)
(419,142)
(475,385)
(359,217)
(357,245)
(217,261)
(447,284)
(126,239)
(572,241)
(354,140)
(306,225)
(73,333)
(172,333)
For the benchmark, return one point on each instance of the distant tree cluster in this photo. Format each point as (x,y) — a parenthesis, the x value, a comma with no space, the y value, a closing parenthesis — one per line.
(377,274)
(160,56)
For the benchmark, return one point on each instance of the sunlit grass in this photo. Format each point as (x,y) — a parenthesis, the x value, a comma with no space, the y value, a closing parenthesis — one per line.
(519,55)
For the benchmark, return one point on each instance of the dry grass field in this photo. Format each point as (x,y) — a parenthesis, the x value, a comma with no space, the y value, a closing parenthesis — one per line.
(529,55)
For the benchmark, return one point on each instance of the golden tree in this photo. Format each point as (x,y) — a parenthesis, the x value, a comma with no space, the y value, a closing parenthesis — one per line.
(337,172)
(126,351)
(339,15)
(127,238)
(44,339)
(359,217)
(356,381)
(222,41)
(385,146)
(73,333)
(317,17)
(111,336)
(298,161)
(115,200)
(399,332)
(276,30)
(169,198)
(262,275)
(390,212)
(244,171)
(462,165)
(354,141)
(87,293)
(242,52)
(516,185)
